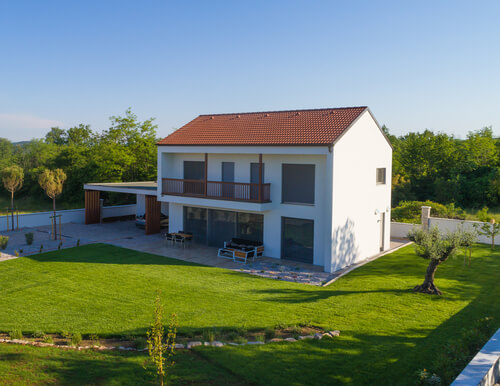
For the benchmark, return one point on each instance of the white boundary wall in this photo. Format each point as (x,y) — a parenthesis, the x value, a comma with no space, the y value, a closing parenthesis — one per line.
(71,215)
(484,368)
(400,229)
(447,224)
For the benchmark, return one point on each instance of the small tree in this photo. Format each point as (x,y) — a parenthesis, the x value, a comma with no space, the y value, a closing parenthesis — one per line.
(52,182)
(12,178)
(161,348)
(437,248)
(491,229)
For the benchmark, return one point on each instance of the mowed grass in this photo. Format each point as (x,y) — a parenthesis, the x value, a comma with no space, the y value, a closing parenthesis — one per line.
(387,331)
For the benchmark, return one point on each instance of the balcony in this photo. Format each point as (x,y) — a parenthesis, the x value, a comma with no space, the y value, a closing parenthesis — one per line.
(218,190)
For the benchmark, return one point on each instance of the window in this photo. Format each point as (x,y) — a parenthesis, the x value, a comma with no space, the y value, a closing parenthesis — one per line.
(380,176)
(297,239)
(297,184)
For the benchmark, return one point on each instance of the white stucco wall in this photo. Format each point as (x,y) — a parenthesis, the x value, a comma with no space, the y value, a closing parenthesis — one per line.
(401,229)
(272,174)
(356,195)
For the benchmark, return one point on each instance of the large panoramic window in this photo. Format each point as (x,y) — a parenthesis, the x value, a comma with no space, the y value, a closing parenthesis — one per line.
(297,184)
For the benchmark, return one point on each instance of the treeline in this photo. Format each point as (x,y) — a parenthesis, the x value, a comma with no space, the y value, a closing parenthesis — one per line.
(126,151)
(426,166)
(441,168)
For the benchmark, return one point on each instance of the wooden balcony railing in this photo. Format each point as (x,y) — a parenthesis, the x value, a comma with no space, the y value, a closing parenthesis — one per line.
(234,191)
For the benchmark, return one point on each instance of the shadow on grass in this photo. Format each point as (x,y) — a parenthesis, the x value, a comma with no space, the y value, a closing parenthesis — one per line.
(108,254)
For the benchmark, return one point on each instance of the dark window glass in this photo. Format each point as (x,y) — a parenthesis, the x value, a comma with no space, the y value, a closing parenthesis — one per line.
(250,226)
(297,239)
(228,176)
(195,221)
(297,184)
(194,170)
(381,176)
(221,227)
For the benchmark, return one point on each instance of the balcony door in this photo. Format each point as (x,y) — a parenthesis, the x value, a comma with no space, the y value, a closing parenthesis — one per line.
(297,239)
(254,179)
(194,172)
(228,176)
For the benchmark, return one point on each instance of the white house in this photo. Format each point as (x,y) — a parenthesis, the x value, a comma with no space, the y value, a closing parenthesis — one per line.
(313,185)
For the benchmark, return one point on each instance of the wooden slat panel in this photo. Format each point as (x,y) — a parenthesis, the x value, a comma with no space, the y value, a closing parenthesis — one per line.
(92,207)
(153,213)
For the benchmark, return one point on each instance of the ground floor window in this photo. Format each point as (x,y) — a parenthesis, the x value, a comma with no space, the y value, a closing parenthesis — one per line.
(297,239)
(213,226)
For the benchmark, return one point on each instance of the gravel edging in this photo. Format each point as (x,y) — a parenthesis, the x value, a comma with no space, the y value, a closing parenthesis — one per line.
(188,346)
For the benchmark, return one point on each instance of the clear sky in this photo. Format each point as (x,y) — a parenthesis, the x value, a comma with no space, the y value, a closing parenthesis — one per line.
(416,64)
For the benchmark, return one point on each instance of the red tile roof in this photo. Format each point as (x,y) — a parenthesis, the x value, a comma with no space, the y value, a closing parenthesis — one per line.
(293,127)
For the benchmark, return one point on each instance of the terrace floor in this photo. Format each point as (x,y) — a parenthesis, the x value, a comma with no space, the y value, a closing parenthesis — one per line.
(125,234)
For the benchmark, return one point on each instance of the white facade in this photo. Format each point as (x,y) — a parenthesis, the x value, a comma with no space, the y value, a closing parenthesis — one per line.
(347,199)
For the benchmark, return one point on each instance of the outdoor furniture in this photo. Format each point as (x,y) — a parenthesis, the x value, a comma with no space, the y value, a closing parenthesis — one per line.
(170,237)
(181,237)
(241,249)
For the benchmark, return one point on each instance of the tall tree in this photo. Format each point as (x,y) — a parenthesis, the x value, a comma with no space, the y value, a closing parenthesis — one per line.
(12,178)
(437,248)
(52,182)
(56,136)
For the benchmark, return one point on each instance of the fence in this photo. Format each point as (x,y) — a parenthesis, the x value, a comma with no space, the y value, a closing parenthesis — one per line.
(72,215)
(400,230)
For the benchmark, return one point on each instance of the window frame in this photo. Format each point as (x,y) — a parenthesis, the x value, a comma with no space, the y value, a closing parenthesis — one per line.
(378,182)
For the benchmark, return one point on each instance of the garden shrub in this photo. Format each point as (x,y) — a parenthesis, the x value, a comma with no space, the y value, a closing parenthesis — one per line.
(4,240)
(16,334)
(140,343)
(30,236)
(410,211)
(209,335)
(38,334)
(76,339)
(260,337)
(459,352)
(240,340)
(48,339)
(270,333)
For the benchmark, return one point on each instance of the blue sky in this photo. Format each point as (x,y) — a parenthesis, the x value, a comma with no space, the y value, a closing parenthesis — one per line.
(418,64)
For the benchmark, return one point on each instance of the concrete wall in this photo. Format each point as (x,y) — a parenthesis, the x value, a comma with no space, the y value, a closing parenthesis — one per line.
(358,200)
(446,224)
(401,229)
(484,368)
(72,215)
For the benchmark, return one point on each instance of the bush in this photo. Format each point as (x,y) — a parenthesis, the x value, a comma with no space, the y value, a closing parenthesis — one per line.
(240,340)
(483,215)
(16,334)
(410,211)
(209,335)
(65,334)
(38,334)
(140,343)
(260,337)
(76,339)
(29,237)
(270,333)
(4,240)
(459,352)
(48,339)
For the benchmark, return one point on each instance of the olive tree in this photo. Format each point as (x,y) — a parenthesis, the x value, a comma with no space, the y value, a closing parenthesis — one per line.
(52,181)
(12,178)
(437,248)
(491,229)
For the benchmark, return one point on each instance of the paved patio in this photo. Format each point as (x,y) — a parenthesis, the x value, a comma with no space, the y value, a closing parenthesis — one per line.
(125,234)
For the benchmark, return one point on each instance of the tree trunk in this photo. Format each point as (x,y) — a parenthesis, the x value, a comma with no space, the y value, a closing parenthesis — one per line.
(428,286)
(12,207)
(55,220)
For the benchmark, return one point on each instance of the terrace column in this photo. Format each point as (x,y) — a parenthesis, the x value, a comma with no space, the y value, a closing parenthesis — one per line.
(153,215)
(260,177)
(92,207)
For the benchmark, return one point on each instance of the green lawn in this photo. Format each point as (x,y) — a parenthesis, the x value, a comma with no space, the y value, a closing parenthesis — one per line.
(387,332)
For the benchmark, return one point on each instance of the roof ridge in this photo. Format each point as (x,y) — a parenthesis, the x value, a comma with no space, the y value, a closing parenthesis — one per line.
(286,111)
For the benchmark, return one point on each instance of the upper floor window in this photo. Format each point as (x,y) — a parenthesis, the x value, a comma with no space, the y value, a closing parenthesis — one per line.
(381,176)
(297,184)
